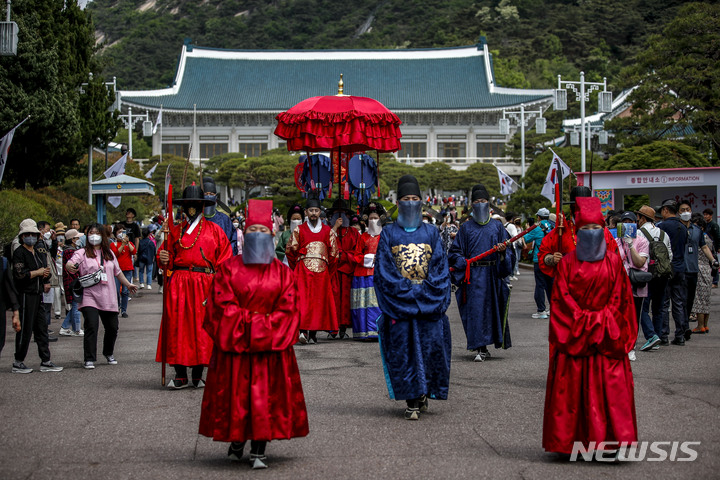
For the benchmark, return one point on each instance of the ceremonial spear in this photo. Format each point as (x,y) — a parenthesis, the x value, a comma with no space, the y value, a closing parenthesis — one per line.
(163,322)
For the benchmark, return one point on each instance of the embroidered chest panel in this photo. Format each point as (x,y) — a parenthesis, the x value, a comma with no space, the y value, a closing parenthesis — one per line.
(413,260)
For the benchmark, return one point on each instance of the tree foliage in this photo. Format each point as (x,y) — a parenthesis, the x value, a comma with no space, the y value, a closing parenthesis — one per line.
(55,55)
(660,154)
(539,38)
(677,76)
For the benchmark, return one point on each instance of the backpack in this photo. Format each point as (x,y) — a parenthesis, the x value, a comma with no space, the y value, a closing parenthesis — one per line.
(660,265)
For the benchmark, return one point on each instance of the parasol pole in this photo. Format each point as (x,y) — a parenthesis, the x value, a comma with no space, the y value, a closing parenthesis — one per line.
(377,162)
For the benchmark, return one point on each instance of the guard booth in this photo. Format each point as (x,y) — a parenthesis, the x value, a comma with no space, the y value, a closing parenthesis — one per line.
(116,187)
(697,185)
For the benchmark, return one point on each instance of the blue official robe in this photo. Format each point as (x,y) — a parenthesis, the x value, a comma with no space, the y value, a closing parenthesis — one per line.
(484,315)
(224,222)
(412,286)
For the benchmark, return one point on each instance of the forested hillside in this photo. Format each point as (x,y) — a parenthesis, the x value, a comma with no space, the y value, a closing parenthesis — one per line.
(533,40)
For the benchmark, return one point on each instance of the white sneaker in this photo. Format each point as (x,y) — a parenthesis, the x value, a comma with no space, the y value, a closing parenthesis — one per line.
(66,332)
(142,285)
(111,359)
(89,365)
(149,287)
(632,356)
(539,315)
(79,333)
(160,290)
(302,339)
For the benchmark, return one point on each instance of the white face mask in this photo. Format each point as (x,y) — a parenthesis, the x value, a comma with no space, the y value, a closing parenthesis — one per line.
(374,227)
(236,225)
(294,224)
(94,239)
(47,236)
(685,216)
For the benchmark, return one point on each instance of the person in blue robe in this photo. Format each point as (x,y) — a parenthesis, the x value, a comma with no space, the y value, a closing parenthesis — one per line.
(412,286)
(483,302)
(220,219)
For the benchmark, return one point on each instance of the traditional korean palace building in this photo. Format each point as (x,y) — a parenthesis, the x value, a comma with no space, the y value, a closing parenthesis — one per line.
(226,100)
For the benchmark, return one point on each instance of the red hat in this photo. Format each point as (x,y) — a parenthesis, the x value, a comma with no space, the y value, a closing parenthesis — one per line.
(259,212)
(587,210)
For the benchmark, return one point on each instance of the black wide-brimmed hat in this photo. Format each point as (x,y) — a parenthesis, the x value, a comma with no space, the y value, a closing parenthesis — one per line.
(193,194)
(339,205)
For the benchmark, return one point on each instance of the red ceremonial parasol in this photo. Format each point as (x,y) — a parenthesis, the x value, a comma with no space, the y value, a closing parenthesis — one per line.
(339,123)
(330,122)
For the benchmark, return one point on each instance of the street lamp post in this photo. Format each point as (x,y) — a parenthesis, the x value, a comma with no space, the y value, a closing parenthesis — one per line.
(583,95)
(90,150)
(521,117)
(130,120)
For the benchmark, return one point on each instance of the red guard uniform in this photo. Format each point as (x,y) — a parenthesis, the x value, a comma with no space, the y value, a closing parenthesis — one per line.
(590,388)
(253,389)
(187,290)
(549,244)
(313,258)
(347,240)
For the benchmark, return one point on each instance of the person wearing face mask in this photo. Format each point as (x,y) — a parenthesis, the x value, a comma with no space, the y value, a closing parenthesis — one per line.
(58,305)
(543,282)
(484,300)
(312,253)
(31,275)
(347,238)
(100,301)
(194,250)
(296,215)
(634,250)
(695,245)
(550,252)
(412,286)
(124,251)
(71,325)
(218,218)
(364,309)
(590,392)
(237,223)
(253,319)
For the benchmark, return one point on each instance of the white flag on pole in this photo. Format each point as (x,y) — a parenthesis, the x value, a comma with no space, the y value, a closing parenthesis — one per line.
(508,186)
(5,147)
(158,122)
(150,172)
(117,168)
(557,167)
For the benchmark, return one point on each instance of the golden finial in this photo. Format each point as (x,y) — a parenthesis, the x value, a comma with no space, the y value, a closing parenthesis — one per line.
(341,84)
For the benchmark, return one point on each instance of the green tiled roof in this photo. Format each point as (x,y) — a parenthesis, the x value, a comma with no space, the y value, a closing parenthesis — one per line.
(414,80)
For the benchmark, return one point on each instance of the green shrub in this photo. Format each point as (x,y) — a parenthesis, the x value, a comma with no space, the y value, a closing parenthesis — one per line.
(14,208)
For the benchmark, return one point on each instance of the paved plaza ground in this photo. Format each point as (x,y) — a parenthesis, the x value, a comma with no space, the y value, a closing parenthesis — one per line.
(118,422)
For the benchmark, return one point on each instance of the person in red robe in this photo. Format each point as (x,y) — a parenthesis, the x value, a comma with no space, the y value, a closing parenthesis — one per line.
(253,387)
(347,238)
(196,249)
(548,253)
(312,253)
(590,389)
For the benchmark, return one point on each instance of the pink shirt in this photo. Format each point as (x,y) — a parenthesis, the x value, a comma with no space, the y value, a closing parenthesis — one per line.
(102,296)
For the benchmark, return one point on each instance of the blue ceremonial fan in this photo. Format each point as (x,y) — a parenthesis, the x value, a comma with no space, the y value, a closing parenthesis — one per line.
(363,176)
(316,175)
